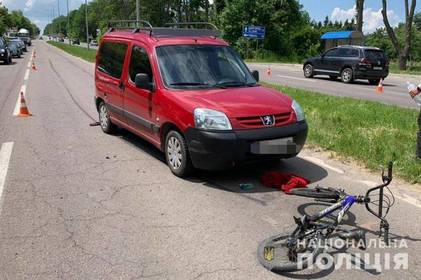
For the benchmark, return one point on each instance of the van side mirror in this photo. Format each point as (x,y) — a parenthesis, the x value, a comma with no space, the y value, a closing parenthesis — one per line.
(255,75)
(142,81)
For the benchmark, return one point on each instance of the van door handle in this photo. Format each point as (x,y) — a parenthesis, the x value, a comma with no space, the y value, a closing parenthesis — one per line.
(121,85)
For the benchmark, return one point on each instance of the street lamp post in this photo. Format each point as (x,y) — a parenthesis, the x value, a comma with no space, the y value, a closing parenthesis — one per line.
(68,22)
(86,21)
(137,11)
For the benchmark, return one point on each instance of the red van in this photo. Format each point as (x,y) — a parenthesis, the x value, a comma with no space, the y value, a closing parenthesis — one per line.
(188,93)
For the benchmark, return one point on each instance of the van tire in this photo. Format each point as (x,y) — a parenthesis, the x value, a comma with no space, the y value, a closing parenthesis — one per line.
(104,119)
(177,154)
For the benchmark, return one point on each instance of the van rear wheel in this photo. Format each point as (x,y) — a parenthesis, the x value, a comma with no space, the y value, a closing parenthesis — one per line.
(177,154)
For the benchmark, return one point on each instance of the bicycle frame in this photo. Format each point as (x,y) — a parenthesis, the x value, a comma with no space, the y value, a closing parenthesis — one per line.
(345,204)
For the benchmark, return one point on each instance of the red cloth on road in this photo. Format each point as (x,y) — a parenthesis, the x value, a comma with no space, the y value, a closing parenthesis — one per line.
(283,181)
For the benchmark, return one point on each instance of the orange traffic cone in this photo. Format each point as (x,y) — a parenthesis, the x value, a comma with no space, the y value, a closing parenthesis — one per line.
(269,71)
(380,88)
(23,111)
(33,66)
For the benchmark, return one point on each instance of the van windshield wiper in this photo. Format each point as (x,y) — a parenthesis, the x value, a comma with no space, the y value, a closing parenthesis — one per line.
(189,84)
(229,84)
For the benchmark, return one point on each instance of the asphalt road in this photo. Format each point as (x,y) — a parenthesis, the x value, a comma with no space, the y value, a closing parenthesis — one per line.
(79,204)
(395,90)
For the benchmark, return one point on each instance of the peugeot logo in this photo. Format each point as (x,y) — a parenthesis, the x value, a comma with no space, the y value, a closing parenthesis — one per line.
(268,120)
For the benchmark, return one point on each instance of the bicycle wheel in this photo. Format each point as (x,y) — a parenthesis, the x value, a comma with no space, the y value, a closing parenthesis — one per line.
(284,253)
(316,193)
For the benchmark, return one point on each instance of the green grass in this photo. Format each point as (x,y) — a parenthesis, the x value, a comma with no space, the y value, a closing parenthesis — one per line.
(369,132)
(413,68)
(84,53)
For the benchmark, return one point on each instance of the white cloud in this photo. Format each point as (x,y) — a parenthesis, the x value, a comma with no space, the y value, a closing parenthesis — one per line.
(372,19)
(28,5)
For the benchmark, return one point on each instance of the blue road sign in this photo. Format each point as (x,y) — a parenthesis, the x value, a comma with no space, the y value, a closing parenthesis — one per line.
(254,32)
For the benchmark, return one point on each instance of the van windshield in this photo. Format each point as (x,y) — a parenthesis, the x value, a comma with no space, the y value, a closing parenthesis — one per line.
(202,66)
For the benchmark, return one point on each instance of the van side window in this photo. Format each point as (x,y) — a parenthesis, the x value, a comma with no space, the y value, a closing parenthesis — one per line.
(111,58)
(139,63)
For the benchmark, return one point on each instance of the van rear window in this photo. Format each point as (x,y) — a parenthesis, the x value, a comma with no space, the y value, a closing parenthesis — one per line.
(111,58)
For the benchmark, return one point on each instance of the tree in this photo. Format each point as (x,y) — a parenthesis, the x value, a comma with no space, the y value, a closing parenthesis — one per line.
(360,10)
(417,21)
(403,52)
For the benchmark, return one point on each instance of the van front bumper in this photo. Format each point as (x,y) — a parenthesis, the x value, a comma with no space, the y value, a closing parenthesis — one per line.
(213,150)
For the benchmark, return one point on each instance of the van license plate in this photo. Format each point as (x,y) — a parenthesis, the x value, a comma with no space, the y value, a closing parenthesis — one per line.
(275,146)
(377,68)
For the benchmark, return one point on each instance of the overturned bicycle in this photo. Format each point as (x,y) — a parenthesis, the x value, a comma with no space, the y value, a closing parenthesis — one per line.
(299,250)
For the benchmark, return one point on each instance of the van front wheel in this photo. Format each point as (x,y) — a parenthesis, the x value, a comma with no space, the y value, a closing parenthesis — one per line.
(104,119)
(177,154)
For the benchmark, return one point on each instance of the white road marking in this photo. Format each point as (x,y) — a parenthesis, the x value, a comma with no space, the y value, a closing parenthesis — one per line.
(29,63)
(5,154)
(17,106)
(323,164)
(26,75)
(296,78)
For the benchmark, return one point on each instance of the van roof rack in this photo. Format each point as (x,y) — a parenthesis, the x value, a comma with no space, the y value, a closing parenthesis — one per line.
(204,29)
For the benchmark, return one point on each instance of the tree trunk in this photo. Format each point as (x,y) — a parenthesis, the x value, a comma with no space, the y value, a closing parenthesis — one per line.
(403,53)
(360,10)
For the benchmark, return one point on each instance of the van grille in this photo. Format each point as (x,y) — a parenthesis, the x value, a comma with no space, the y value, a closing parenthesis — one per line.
(256,121)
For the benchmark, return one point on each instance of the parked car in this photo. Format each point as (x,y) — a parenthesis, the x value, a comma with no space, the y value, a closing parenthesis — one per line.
(15,49)
(21,44)
(76,41)
(5,54)
(349,63)
(61,40)
(190,94)
(94,43)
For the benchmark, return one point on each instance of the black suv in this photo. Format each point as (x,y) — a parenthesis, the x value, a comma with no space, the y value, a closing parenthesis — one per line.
(5,54)
(349,63)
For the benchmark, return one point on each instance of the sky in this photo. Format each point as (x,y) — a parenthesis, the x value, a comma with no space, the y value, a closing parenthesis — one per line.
(41,11)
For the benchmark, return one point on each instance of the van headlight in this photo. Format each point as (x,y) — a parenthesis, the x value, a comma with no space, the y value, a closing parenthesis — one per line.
(2,51)
(298,111)
(211,120)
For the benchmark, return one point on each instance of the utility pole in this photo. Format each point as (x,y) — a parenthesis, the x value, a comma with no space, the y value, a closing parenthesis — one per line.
(58,17)
(86,21)
(68,22)
(137,12)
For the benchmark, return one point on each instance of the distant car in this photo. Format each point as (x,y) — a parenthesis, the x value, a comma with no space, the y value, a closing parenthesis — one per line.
(25,35)
(76,41)
(349,63)
(15,49)
(94,43)
(5,54)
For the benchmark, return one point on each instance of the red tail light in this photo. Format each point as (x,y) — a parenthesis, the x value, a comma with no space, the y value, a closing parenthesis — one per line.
(365,62)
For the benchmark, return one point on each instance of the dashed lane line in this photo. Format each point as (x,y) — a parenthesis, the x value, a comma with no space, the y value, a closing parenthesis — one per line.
(5,154)
(23,87)
(323,164)
(297,78)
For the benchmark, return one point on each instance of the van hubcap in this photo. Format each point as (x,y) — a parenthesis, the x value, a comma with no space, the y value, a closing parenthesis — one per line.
(103,117)
(174,152)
